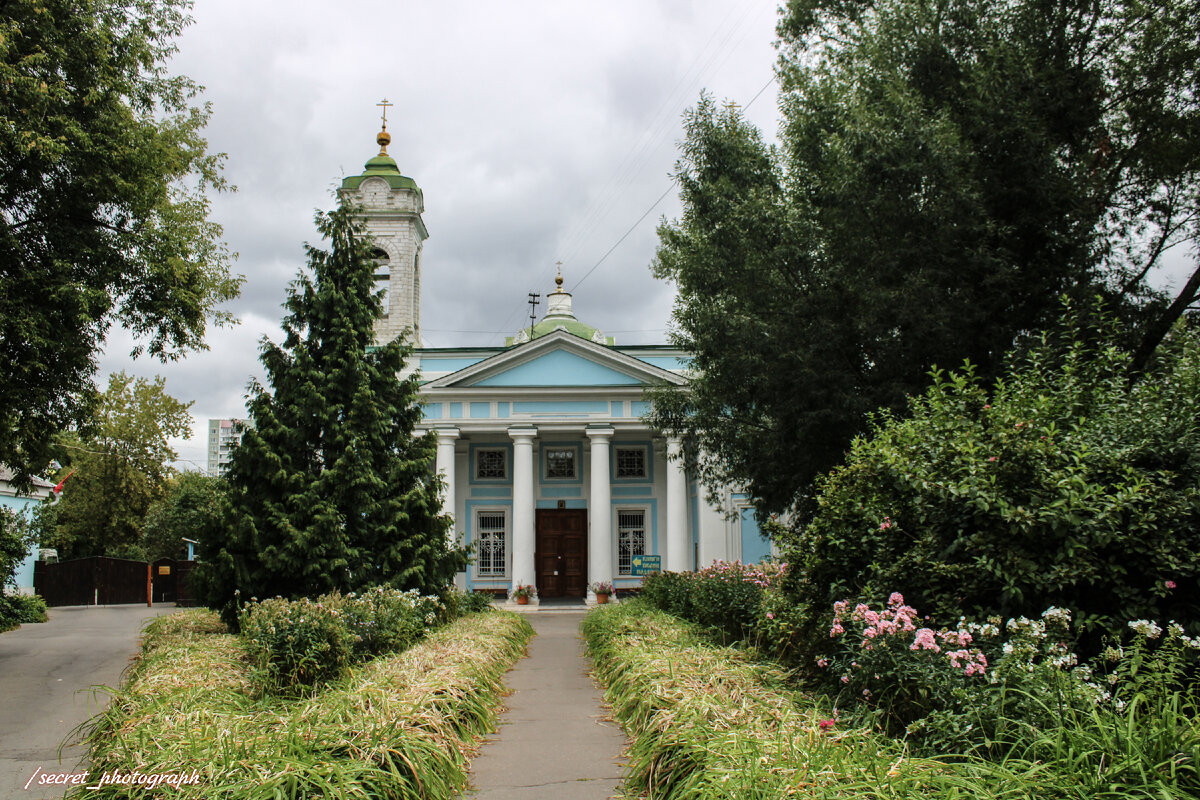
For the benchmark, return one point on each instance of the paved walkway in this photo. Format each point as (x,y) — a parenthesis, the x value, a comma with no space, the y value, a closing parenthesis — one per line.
(555,741)
(46,672)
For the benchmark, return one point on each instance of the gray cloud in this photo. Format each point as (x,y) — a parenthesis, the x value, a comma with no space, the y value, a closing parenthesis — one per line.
(538,131)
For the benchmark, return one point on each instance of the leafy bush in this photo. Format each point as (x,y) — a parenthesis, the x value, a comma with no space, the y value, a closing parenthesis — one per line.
(668,591)
(905,671)
(386,620)
(458,603)
(726,597)
(296,644)
(1063,486)
(20,609)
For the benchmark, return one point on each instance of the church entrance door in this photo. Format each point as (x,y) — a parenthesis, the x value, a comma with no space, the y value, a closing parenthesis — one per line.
(561,554)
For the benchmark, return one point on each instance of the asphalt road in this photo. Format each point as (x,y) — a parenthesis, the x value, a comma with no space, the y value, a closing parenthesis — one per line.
(46,674)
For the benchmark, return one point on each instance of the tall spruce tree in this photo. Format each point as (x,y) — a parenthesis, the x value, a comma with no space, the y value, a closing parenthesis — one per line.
(331,489)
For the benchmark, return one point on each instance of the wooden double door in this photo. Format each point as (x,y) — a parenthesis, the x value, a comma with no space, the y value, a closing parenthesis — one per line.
(561,554)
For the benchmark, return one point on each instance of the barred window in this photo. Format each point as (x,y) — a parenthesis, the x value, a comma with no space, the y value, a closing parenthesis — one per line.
(631,539)
(631,462)
(490,550)
(491,464)
(560,462)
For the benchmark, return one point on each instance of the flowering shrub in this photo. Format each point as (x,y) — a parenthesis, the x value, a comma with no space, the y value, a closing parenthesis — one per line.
(886,660)
(387,620)
(295,644)
(727,596)
(1061,486)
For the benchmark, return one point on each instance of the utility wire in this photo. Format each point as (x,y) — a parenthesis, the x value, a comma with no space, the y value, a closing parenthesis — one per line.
(654,205)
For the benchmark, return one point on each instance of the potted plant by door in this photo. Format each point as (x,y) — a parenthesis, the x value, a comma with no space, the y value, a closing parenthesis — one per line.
(603,590)
(522,594)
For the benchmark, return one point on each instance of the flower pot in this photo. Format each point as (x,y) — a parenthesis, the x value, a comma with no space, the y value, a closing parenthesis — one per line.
(601,598)
(522,601)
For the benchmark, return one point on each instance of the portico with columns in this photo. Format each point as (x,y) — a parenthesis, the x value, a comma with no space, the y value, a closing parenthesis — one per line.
(550,471)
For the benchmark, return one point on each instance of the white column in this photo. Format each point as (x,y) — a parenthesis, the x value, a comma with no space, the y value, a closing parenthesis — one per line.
(524,540)
(600,528)
(677,559)
(445,468)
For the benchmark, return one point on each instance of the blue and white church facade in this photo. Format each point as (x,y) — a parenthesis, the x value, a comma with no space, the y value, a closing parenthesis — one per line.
(551,472)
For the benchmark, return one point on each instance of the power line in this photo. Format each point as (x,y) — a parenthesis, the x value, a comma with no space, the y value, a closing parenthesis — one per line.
(654,205)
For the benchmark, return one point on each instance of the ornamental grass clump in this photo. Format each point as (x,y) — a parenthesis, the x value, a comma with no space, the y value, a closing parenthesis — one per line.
(398,727)
(710,722)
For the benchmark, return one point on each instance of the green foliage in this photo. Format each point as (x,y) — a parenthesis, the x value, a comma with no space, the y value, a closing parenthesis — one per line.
(21,609)
(708,722)
(120,465)
(330,490)
(1062,487)
(669,592)
(103,206)
(401,727)
(386,620)
(194,503)
(725,598)
(945,173)
(458,603)
(16,539)
(296,644)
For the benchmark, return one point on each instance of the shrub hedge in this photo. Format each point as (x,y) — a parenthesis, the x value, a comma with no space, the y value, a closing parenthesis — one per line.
(1061,486)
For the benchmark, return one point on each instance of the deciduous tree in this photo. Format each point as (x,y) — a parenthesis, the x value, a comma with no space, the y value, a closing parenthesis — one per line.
(118,465)
(946,173)
(103,206)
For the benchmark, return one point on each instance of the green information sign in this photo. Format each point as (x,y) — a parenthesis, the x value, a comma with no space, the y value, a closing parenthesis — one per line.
(644,565)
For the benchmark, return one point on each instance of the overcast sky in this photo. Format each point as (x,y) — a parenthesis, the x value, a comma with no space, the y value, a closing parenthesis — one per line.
(538,131)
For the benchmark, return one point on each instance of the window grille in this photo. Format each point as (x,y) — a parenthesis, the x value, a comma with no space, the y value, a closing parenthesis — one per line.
(560,462)
(631,539)
(490,551)
(490,464)
(631,462)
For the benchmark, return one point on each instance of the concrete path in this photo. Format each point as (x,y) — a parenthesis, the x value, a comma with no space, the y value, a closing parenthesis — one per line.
(46,672)
(555,740)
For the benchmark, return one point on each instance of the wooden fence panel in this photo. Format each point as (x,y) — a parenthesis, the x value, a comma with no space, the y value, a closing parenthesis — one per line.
(91,581)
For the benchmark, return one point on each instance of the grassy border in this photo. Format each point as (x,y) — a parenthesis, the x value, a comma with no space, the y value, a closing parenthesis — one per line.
(710,722)
(402,726)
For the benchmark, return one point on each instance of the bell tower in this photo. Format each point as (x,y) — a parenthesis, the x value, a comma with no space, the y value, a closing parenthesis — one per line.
(392,205)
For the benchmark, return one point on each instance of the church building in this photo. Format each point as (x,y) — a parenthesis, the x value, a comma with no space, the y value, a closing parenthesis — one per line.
(551,473)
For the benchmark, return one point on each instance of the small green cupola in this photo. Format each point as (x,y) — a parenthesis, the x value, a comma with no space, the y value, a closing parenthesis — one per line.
(559,316)
(383,166)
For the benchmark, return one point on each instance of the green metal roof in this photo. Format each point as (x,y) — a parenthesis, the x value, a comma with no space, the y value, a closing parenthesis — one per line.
(383,166)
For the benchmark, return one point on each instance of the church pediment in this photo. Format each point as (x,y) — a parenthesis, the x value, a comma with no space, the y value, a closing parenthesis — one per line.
(557,360)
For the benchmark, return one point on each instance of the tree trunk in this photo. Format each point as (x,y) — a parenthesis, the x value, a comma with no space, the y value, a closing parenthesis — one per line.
(1158,329)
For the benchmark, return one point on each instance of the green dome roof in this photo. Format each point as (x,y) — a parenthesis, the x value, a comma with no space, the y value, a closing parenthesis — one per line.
(382,166)
(560,316)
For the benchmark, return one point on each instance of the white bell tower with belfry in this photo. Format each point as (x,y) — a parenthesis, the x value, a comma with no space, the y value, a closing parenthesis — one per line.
(392,205)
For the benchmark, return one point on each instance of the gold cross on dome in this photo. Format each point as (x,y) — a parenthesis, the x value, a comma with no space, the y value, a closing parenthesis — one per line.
(384,105)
